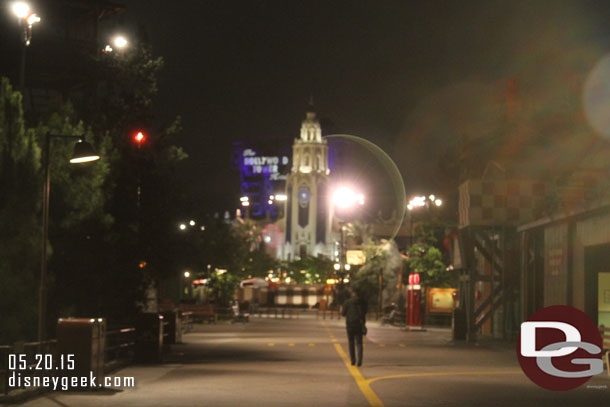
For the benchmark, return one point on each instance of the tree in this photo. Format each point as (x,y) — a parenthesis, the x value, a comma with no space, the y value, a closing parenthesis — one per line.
(20,188)
(426,260)
(310,270)
(382,264)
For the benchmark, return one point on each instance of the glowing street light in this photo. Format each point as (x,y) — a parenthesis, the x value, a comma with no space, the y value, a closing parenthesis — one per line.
(187,274)
(345,197)
(182,226)
(192,222)
(27,19)
(21,9)
(119,41)
(337,266)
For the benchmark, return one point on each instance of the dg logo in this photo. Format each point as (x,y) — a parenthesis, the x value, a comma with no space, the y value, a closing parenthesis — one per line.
(560,348)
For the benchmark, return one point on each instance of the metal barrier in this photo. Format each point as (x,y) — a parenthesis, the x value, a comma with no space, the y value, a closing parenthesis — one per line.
(119,347)
(279,312)
(332,313)
(29,349)
(118,351)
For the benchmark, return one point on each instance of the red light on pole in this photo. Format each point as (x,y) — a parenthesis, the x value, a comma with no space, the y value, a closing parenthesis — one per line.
(139,138)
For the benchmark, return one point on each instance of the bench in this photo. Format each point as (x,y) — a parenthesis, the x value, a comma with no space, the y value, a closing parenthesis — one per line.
(200,312)
(605,333)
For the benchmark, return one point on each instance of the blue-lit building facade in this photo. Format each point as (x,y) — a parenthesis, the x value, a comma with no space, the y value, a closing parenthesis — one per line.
(263,170)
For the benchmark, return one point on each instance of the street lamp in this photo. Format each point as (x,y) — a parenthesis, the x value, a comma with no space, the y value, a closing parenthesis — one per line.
(417,202)
(27,19)
(345,198)
(83,153)
(119,41)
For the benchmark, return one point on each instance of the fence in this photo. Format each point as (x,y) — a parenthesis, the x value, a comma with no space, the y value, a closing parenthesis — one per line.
(30,349)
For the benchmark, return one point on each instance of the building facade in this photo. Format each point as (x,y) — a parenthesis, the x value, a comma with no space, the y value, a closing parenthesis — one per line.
(307,226)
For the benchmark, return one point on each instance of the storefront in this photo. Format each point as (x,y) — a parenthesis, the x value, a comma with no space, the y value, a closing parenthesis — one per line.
(566,260)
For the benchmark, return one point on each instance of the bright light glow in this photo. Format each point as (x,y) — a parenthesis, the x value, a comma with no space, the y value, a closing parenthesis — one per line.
(345,197)
(346,280)
(432,197)
(288,280)
(417,201)
(192,222)
(33,19)
(336,266)
(202,228)
(281,197)
(182,226)
(267,239)
(187,274)
(272,197)
(139,137)
(21,9)
(438,202)
(331,281)
(244,198)
(348,267)
(85,159)
(119,41)
(245,203)
(107,49)
(270,202)
(221,271)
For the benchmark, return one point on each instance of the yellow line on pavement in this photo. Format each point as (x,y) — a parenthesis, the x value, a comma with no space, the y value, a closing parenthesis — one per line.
(291,345)
(271,344)
(431,374)
(362,383)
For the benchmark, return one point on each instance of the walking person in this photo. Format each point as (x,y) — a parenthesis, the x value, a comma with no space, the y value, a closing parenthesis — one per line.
(354,311)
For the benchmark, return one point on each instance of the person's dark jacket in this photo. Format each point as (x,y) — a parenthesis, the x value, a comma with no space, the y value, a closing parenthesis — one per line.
(354,312)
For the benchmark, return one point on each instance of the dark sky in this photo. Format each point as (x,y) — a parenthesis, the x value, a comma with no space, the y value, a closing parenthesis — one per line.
(244,70)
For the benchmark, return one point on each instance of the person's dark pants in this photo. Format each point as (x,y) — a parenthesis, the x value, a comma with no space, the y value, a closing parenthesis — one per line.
(354,336)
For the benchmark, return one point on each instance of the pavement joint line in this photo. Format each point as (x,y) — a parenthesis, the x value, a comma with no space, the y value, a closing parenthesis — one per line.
(362,383)
(436,374)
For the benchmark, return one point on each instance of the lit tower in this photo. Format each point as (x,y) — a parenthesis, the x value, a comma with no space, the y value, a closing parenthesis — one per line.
(308,205)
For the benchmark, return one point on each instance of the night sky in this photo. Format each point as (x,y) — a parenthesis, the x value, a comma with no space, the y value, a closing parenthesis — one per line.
(389,71)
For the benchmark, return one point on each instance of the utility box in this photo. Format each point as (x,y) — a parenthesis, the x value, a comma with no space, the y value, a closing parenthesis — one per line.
(174,327)
(85,339)
(149,338)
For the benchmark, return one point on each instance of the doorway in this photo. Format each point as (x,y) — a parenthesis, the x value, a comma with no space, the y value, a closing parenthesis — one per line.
(597,291)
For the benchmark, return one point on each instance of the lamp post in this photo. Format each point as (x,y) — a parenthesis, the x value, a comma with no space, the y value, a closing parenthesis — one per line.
(27,19)
(83,153)
(344,198)
(414,289)
(418,202)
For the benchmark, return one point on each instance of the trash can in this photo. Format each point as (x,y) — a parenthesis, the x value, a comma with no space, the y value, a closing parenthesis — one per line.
(149,338)
(458,324)
(174,327)
(85,339)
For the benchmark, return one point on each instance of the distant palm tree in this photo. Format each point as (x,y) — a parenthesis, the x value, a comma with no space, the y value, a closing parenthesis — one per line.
(360,232)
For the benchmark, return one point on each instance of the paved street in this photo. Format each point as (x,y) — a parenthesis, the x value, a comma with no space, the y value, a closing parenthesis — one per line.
(274,362)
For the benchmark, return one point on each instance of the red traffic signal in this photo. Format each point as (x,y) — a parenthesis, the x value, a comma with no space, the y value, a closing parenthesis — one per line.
(139,137)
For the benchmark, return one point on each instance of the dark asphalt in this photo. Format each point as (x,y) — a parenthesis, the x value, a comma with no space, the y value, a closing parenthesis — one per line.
(274,362)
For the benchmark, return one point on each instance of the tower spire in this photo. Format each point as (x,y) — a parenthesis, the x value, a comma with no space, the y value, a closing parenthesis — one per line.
(310,106)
